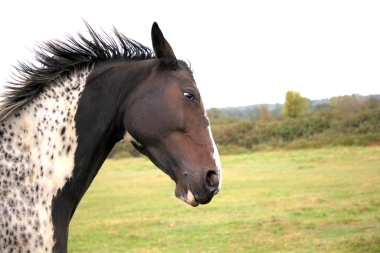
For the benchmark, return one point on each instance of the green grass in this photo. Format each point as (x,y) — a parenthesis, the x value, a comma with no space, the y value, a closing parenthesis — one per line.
(315,200)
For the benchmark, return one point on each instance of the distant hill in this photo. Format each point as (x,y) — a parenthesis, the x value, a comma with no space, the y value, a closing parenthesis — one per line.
(251,111)
(273,106)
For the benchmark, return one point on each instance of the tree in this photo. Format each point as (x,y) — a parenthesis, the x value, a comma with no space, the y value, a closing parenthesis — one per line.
(346,103)
(295,105)
(265,113)
(371,103)
(276,112)
(214,113)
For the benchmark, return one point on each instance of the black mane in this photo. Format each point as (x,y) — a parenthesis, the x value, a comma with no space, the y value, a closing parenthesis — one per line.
(59,58)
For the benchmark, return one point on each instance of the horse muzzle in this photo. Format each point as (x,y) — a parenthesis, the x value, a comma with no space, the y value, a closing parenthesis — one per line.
(198,192)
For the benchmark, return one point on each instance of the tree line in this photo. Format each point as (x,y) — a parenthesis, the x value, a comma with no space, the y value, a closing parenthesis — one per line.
(301,123)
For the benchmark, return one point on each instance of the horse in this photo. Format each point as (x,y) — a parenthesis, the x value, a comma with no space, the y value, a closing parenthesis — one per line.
(61,116)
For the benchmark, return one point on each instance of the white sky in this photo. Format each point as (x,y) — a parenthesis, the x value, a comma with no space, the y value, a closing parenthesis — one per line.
(242,53)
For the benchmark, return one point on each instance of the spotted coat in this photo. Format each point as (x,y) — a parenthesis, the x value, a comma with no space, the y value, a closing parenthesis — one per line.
(37,146)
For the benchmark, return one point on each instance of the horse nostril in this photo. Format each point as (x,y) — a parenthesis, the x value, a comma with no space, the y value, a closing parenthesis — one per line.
(212,180)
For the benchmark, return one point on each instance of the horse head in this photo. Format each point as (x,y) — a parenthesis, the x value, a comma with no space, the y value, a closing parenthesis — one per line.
(166,118)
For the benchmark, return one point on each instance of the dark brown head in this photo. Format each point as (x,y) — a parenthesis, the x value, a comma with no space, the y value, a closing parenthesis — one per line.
(168,123)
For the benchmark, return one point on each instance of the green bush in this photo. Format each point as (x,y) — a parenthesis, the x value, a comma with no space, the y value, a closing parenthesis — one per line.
(317,129)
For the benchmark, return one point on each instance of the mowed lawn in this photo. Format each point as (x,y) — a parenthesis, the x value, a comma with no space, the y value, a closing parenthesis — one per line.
(316,200)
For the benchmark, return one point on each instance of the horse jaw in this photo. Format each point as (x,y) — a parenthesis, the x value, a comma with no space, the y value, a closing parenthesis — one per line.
(183,189)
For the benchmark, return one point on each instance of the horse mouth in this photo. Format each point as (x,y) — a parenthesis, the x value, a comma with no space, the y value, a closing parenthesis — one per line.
(185,190)
(187,193)
(190,199)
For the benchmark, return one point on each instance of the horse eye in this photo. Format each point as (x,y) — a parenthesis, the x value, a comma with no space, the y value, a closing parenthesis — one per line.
(188,95)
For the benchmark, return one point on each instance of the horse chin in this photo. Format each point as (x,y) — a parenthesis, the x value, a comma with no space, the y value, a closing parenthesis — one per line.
(187,190)
(186,196)
(190,199)
(184,191)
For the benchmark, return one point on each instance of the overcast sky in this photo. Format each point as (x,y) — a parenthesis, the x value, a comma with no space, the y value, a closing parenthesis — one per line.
(242,52)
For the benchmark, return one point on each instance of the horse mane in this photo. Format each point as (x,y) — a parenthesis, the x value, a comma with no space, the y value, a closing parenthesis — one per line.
(58,59)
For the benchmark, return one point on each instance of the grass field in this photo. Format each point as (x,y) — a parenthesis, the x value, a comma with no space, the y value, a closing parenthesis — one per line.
(316,200)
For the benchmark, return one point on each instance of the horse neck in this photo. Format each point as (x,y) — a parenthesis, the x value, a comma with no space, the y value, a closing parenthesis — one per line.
(99,118)
(99,125)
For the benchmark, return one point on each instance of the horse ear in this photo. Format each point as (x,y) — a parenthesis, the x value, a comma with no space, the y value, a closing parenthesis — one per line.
(162,48)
